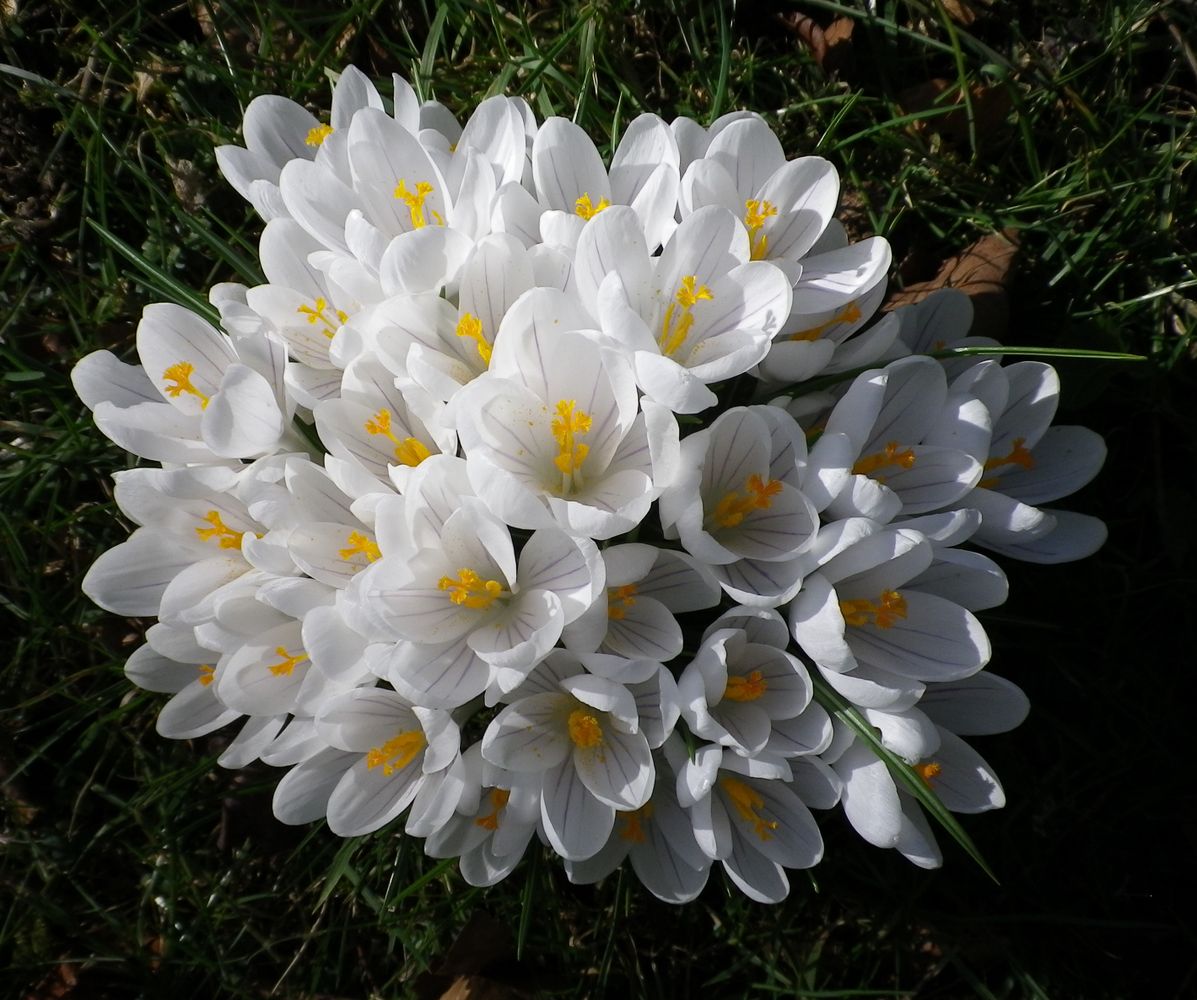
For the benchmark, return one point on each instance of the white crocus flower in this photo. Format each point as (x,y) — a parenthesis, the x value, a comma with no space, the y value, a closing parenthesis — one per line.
(399,749)
(305,306)
(876,637)
(912,442)
(784,206)
(553,433)
(1030,463)
(493,824)
(646,587)
(372,425)
(437,347)
(277,131)
(737,504)
(584,739)
(467,585)
(190,540)
(195,398)
(572,185)
(658,840)
(748,816)
(839,291)
(699,314)
(734,691)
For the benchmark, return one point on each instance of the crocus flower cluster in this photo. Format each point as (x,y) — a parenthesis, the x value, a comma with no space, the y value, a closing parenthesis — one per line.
(505,508)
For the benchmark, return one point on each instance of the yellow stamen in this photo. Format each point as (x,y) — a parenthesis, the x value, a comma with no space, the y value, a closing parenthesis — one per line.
(675,327)
(229,539)
(928,771)
(317,135)
(620,600)
(883,612)
(633,823)
(584,728)
(471,590)
(849,314)
(287,662)
(180,375)
(587,209)
(361,545)
(1018,455)
(471,326)
(206,674)
(316,314)
(867,465)
(746,801)
(745,688)
(569,422)
(410,451)
(756,213)
(498,800)
(395,754)
(732,508)
(414,200)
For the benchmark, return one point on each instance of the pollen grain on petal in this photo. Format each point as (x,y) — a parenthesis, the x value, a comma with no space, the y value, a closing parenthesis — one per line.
(180,377)
(397,753)
(748,802)
(318,134)
(731,509)
(883,612)
(584,728)
(891,457)
(287,661)
(469,589)
(679,315)
(587,209)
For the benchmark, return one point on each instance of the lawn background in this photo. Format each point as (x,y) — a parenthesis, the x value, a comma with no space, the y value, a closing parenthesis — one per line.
(133,866)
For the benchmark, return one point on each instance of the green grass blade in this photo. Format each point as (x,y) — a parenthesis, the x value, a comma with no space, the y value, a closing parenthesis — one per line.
(902,772)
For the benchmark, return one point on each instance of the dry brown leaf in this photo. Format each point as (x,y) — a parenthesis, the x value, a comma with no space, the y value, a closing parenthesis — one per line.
(831,46)
(479,988)
(990,106)
(961,11)
(982,271)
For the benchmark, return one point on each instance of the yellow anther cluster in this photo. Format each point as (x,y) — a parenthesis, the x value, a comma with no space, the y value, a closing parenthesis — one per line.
(471,326)
(207,674)
(883,612)
(584,728)
(228,538)
(927,771)
(849,314)
(732,507)
(587,209)
(633,823)
(361,545)
(395,754)
(747,801)
(1018,455)
(891,457)
(498,801)
(180,375)
(745,688)
(287,663)
(675,327)
(620,600)
(570,421)
(317,313)
(317,135)
(410,451)
(756,213)
(414,200)
(470,590)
